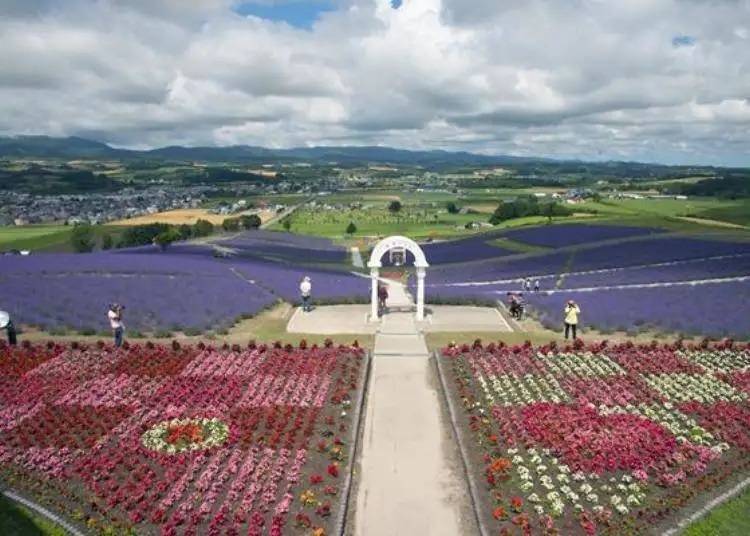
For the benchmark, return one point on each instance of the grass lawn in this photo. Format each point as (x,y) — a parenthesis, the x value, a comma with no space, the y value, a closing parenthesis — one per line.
(413,221)
(34,237)
(730,519)
(659,207)
(737,212)
(18,521)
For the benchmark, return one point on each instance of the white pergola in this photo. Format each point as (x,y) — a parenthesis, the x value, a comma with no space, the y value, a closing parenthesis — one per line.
(420,263)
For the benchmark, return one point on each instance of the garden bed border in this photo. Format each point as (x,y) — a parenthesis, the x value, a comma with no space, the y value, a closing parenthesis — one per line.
(476,504)
(42,511)
(355,434)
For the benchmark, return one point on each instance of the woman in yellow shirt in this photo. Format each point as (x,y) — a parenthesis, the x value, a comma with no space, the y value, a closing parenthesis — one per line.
(571,318)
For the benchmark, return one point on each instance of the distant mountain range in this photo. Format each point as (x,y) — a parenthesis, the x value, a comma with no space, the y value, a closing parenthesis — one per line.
(81,148)
(75,147)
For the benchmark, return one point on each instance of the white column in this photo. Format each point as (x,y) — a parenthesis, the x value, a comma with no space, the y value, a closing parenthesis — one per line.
(374,274)
(420,293)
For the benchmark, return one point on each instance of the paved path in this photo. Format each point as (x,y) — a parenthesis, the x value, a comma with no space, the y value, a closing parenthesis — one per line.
(410,477)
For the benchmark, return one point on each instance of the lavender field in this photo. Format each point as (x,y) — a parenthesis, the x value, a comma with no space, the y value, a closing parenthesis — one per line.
(673,284)
(183,288)
(557,236)
(718,310)
(286,247)
(462,250)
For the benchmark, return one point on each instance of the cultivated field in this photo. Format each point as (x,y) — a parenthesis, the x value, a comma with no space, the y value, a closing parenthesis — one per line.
(188,216)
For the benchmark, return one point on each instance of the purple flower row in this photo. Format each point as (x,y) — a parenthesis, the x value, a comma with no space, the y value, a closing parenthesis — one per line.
(712,309)
(557,236)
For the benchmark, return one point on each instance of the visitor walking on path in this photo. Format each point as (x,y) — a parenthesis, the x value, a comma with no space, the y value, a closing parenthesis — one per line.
(382,298)
(527,284)
(115,321)
(536,286)
(571,318)
(305,290)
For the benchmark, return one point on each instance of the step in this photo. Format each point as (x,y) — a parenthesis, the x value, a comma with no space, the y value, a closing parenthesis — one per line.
(390,344)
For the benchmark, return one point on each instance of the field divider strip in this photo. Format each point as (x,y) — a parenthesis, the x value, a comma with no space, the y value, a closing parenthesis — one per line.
(473,489)
(44,512)
(356,433)
(695,516)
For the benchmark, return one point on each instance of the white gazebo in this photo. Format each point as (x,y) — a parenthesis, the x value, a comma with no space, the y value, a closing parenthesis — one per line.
(401,244)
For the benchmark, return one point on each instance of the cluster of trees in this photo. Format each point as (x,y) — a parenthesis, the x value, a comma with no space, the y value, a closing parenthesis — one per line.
(527,205)
(251,221)
(83,238)
(733,186)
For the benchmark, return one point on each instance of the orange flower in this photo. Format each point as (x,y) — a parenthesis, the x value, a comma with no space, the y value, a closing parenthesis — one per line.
(500,465)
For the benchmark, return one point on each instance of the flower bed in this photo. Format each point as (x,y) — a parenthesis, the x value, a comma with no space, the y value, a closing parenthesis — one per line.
(598,439)
(182,440)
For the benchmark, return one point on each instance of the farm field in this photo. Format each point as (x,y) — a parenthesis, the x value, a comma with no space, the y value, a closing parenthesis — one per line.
(188,216)
(157,439)
(598,439)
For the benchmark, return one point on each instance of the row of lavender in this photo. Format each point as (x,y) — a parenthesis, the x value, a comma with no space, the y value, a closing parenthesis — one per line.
(673,284)
(181,289)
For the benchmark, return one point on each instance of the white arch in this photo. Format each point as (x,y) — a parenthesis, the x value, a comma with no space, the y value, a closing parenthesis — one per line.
(420,262)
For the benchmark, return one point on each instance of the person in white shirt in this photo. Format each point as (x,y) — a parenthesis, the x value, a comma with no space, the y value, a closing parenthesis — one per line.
(305,290)
(115,321)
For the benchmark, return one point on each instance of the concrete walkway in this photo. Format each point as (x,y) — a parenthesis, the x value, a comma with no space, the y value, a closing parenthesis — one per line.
(410,477)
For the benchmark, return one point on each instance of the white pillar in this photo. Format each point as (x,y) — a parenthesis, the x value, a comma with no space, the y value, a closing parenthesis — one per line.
(420,293)
(374,274)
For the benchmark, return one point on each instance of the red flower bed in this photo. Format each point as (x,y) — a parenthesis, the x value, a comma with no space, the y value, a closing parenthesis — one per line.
(729,421)
(600,438)
(591,442)
(181,440)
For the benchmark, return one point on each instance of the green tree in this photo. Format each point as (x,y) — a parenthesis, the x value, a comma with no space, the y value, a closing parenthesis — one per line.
(504,211)
(82,238)
(141,235)
(167,237)
(107,241)
(203,228)
(351,228)
(251,221)
(452,208)
(185,231)
(395,206)
(287,224)
(231,224)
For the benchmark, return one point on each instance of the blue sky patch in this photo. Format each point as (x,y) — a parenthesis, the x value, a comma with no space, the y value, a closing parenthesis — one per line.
(683,41)
(297,13)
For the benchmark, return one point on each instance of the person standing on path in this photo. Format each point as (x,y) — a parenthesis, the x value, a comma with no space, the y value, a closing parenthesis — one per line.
(115,321)
(305,290)
(527,284)
(571,318)
(536,286)
(382,298)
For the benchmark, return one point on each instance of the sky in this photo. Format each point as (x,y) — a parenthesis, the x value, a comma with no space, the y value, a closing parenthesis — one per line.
(649,80)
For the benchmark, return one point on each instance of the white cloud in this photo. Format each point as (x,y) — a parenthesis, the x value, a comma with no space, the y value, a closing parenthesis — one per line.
(579,78)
